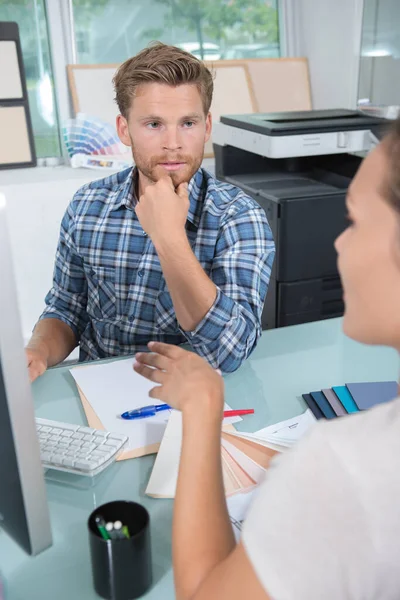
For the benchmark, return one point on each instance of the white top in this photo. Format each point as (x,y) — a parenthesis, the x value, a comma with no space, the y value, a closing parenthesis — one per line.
(326,521)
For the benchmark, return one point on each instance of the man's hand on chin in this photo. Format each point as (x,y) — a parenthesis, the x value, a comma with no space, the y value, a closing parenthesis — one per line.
(162,210)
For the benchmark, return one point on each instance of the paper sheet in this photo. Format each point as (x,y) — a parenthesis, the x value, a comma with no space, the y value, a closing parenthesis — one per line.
(113,388)
(287,432)
(164,476)
(238,506)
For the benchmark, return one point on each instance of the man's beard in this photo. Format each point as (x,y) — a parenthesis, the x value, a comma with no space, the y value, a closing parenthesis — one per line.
(152,170)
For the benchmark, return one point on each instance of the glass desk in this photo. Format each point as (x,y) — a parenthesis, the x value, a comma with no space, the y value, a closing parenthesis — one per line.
(286,363)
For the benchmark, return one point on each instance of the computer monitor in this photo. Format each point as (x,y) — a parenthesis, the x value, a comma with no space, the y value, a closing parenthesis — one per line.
(24,513)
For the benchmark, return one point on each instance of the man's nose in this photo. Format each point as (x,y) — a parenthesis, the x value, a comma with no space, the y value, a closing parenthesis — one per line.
(172,139)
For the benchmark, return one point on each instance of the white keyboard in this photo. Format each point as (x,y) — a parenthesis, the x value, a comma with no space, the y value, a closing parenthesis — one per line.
(77,449)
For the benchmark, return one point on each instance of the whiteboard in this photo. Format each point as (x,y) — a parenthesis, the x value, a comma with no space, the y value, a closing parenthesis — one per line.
(280,84)
(10,77)
(14,139)
(92,90)
(233,94)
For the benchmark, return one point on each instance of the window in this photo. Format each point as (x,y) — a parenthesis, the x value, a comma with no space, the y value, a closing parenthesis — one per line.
(107,31)
(31,18)
(379,81)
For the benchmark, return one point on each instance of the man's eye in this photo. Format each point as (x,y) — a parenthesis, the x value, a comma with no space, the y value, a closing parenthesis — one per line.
(189,124)
(153,125)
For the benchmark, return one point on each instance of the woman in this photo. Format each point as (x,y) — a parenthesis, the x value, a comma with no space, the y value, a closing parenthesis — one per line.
(326,520)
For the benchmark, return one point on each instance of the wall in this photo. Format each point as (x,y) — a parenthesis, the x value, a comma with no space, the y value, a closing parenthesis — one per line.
(328,33)
(36,201)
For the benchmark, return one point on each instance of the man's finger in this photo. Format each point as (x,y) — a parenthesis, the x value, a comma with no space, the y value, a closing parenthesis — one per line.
(166,180)
(167,350)
(152,359)
(182,190)
(149,373)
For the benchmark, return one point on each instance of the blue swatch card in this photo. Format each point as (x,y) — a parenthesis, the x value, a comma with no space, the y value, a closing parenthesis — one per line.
(367,395)
(313,406)
(345,398)
(323,404)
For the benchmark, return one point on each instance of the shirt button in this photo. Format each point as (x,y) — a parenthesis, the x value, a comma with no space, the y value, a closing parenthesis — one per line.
(140,273)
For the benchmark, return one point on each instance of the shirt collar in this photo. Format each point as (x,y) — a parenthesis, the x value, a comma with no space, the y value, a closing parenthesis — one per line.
(125,195)
(125,192)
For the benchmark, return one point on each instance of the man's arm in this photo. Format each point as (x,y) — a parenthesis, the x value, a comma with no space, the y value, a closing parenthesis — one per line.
(52,341)
(221,317)
(62,322)
(192,291)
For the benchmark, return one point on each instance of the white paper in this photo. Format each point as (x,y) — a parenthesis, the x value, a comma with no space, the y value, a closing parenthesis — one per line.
(113,388)
(164,476)
(238,506)
(287,432)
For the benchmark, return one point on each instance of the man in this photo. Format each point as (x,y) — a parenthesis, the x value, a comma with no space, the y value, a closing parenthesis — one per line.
(163,251)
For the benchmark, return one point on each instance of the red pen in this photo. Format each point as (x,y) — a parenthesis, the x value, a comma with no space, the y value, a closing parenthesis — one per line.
(238,413)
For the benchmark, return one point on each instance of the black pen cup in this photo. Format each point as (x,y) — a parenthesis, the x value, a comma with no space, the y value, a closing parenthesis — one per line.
(121,567)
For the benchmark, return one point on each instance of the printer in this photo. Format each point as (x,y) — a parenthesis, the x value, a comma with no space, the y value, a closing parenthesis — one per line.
(297,166)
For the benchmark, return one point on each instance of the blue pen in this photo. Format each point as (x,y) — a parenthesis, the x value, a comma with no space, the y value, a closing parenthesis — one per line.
(145,411)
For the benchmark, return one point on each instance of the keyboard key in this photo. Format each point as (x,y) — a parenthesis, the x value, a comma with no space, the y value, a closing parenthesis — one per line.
(45,456)
(45,429)
(83,464)
(85,430)
(116,436)
(113,443)
(57,458)
(67,433)
(104,449)
(56,431)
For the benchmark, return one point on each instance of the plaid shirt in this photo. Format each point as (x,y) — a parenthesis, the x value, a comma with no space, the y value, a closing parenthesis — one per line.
(108,285)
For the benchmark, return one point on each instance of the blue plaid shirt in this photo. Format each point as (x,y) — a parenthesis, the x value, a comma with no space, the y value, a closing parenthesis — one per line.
(108,285)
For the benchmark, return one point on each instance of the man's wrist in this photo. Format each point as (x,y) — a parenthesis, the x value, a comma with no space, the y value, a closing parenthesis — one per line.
(171,240)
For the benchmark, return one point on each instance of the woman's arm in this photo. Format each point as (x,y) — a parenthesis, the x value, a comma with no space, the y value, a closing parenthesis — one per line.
(207,564)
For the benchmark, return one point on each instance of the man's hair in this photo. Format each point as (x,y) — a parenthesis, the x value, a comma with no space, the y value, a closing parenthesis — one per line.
(159,63)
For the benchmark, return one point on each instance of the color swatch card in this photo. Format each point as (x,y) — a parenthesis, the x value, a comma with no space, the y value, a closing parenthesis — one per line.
(367,395)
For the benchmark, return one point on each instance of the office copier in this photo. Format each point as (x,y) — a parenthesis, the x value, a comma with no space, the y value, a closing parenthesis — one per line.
(298,166)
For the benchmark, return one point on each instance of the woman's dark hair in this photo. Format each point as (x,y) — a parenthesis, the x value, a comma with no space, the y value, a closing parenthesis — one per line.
(393,150)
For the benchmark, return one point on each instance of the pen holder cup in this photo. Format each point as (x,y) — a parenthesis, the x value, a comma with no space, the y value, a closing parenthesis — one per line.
(121,567)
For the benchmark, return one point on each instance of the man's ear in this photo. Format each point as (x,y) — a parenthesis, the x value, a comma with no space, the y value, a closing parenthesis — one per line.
(208,127)
(123,130)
